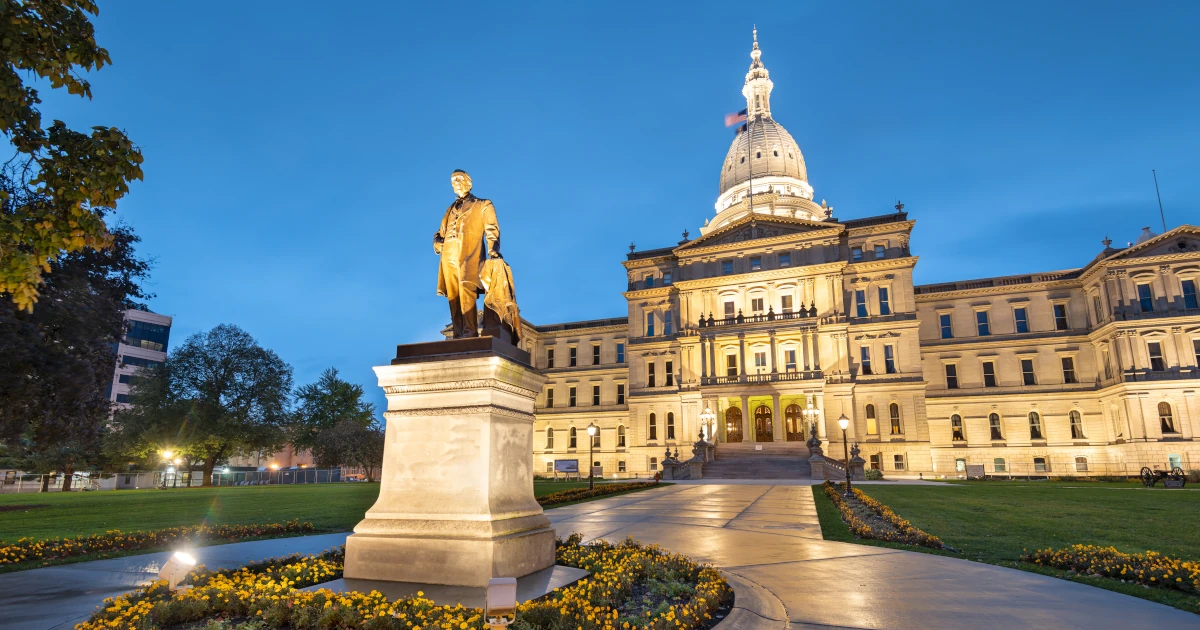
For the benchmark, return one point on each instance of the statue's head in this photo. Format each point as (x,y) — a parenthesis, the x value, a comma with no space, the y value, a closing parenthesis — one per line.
(460,182)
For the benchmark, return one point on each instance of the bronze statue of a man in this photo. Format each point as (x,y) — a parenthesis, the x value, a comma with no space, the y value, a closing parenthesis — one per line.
(470,222)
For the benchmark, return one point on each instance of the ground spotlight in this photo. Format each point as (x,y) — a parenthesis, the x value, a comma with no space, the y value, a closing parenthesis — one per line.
(176,569)
(501,602)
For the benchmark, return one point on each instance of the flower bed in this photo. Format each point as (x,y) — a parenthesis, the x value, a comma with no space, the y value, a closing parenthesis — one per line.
(877,521)
(55,548)
(631,586)
(579,494)
(1150,568)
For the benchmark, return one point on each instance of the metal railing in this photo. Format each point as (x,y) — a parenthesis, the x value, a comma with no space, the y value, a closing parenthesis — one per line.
(16,482)
(802,375)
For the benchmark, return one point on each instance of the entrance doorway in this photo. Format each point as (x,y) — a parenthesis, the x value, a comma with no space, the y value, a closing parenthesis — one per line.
(794,423)
(733,425)
(762,424)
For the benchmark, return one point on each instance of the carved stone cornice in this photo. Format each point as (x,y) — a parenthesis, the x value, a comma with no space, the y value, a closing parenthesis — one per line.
(454,411)
(787,273)
(449,386)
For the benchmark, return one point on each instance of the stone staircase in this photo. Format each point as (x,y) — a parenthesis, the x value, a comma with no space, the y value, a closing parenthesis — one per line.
(775,460)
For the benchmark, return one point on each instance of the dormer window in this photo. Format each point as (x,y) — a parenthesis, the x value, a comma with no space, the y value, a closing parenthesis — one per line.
(758,154)
(776,153)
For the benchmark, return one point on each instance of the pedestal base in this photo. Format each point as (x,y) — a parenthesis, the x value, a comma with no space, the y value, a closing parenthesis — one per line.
(464,562)
(530,587)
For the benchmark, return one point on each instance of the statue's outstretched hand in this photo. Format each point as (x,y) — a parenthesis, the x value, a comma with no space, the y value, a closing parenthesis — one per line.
(437,243)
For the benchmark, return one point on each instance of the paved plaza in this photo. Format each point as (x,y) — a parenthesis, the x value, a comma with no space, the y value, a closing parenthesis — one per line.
(765,538)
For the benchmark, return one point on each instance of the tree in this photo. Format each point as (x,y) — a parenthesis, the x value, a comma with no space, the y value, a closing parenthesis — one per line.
(218,395)
(322,406)
(357,445)
(58,362)
(74,177)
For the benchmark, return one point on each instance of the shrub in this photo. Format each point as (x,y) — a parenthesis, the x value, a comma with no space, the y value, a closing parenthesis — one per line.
(873,474)
(630,585)
(578,494)
(1150,568)
(1193,476)
(904,532)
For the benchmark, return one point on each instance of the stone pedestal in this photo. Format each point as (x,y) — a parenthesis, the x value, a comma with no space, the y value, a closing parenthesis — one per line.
(456,503)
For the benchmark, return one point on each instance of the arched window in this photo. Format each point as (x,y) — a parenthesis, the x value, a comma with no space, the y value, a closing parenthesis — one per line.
(956,428)
(872,423)
(549,437)
(1165,418)
(1076,426)
(894,411)
(1035,426)
(994,425)
(1081,464)
(653,427)
(670,425)
(999,465)
(621,436)
(572,443)
(596,439)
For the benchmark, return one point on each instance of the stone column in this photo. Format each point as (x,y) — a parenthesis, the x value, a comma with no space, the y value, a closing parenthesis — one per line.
(742,353)
(747,421)
(773,353)
(776,420)
(712,356)
(816,351)
(703,359)
(456,502)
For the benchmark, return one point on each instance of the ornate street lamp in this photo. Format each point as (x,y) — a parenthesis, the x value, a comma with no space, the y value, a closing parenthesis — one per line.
(708,420)
(592,429)
(811,414)
(844,422)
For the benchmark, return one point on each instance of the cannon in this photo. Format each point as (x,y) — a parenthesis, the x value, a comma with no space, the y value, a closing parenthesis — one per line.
(1151,477)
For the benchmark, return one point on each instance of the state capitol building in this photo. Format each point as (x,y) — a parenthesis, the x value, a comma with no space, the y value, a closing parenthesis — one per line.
(778,306)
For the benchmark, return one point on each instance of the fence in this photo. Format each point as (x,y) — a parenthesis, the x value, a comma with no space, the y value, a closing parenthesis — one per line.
(15,482)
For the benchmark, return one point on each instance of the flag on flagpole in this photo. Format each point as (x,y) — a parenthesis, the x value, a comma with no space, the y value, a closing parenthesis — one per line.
(733,119)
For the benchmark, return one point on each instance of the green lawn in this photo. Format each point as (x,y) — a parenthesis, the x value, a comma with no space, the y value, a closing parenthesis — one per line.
(329,507)
(996,521)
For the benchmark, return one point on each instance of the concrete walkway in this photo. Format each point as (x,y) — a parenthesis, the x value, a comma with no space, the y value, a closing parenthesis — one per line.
(765,538)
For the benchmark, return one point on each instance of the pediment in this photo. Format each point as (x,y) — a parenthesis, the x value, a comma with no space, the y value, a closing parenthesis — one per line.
(753,228)
(1181,240)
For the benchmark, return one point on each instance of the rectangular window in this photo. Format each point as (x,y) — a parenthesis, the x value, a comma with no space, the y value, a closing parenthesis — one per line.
(122,398)
(1156,356)
(729,309)
(596,440)
(726,267)
(649,281)
(621,466)
(785,259)
(571,397)
(1068,364)
(1060,317)
(1097,309)
(596,354)
(885,303)
(1039,464)
(124,378)
(1022,319)
(550,357)
(620,353)
(731,365)
(668,322)
(550,398)
(785,304)
(951,376)
(572,356)
(876,461)
(789,360)
(666,278)
(856,254)
(1027,372)
(860,301)
(595,395)
(1104,356)
(1081,464)
(1000,465)
(1189,294)
(898,462)
(989,374)
(894,412)
(981,324)
(880,251)
(760,360)
(755,263)
(653,463)
(944,324)
(865,359)
(889,359)
(1196,350)
(549,467)
(620,393)
(872,421)
(756,305)
(649,324)
(1145,297)
(649,375)
(669,374)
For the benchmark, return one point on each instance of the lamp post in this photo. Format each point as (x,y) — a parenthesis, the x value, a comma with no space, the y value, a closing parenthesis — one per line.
(709,420)
(844,422)
(811,413)
(591,428)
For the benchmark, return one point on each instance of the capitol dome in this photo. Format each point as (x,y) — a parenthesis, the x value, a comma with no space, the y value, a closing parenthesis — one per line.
(775,154)
(764,171)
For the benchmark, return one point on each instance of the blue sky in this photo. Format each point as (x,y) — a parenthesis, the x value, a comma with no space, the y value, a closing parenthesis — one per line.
(298,153)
